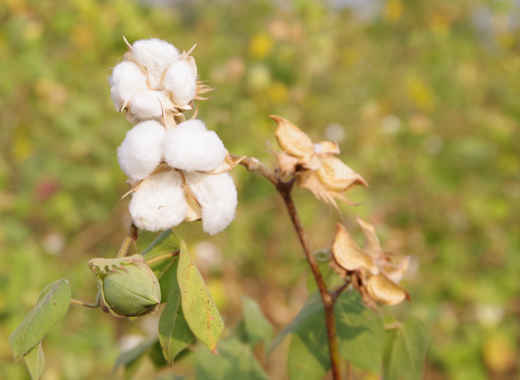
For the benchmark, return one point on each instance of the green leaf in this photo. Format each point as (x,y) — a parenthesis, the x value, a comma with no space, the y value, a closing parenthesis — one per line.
(257,327)
(50,309)
(165,241)
(233,361)
(156,355)
(198,307)
(405,351)
(35,361)
(174,332)
(312,307)
(168,278)
(360,331)
(129,357)
(302,363)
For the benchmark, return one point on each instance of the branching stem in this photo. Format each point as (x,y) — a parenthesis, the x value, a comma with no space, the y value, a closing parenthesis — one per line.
(86,304)
(162,257)
(328,299)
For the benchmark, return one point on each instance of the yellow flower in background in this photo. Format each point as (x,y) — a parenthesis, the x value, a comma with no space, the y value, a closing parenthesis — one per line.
(278,93)
(420,94)
(260,46)
(393,10)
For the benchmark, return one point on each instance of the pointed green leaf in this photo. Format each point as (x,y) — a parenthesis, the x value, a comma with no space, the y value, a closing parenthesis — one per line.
(198,307)
(35,361)
(165,241)
(156,356)
(312,307)
(360,331)
(302,363)
(405,351)
(129,357)
(50,309)
(174,332)
(257,327)
(233,361)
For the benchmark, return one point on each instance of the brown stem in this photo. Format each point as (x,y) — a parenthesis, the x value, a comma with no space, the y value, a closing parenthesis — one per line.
(327,299)
(285,188)
(255,165)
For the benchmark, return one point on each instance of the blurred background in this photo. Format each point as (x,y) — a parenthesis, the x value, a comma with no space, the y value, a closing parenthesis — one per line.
(421,95)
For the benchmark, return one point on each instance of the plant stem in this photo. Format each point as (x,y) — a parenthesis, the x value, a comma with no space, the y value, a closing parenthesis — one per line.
(85,304)
(162,257)
(326,298)
(285,188)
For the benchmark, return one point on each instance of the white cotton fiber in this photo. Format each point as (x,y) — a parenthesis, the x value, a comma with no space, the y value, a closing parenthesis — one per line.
(155,56)
(148,104)
(181,80)
(159,202)
(141,150)
(125,81)
(217,196)
(189,147)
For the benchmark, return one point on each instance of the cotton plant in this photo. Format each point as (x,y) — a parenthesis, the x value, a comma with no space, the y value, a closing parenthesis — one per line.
(178,170)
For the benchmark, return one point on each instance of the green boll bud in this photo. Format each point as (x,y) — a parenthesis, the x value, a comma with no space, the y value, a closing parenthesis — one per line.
(128,286)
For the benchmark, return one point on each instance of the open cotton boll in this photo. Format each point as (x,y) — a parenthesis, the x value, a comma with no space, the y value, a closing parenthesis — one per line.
(127,72)
(126,79)
(155,55)
(217,196)
(193,124)
(159,202)
(192,148)
(141,150)
(148,104)
(181,80)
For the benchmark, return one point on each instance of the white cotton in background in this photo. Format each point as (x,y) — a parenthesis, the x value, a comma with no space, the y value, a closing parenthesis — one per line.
(141,150)
(181,80)
(217,196)
(189,147)
(155,55)
(159,202)
(148,104)
(126,79)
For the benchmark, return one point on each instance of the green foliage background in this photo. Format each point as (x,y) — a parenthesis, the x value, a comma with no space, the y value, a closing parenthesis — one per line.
(427,97)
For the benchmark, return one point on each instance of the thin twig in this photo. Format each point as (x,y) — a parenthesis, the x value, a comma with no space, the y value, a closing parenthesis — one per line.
(285,188)
(255,165)
(86,304)
(336,293)
(162,257)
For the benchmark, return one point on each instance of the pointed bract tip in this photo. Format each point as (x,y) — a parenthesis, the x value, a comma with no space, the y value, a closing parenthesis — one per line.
(277,118)
(126,42)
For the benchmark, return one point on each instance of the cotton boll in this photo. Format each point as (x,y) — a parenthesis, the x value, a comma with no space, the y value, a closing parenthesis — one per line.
(194,124)
(141,150)
(181,80)
(148,104)
(192,148)
(127,72)
(155,55)
(159,202)
(125,81)
(217,196)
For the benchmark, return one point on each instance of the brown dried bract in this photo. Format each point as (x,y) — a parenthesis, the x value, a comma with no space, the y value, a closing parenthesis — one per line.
(314,165)
(377,272)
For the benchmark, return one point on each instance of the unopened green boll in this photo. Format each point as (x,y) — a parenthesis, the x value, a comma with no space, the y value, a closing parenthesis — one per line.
(128,286)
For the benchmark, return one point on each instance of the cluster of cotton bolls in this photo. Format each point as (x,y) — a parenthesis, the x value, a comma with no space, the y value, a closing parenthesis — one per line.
(177,168)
